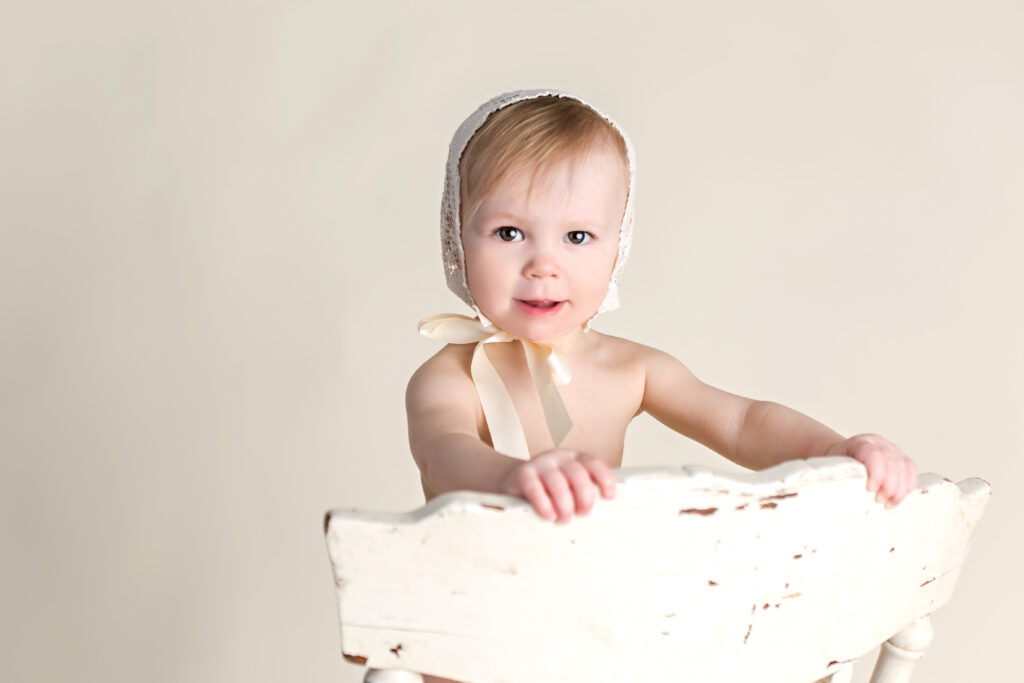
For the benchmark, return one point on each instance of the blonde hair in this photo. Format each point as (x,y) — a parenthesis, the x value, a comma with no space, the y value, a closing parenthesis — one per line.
(532,134)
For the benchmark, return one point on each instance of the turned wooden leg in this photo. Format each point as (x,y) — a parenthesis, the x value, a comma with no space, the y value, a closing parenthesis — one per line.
(391,676)
(900,653)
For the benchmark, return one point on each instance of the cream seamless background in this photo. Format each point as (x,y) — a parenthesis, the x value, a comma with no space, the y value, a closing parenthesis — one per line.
(218,228)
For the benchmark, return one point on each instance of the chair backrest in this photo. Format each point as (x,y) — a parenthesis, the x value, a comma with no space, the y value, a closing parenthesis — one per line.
(782,575)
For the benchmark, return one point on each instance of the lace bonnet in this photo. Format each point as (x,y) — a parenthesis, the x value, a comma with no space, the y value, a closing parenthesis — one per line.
(451,230)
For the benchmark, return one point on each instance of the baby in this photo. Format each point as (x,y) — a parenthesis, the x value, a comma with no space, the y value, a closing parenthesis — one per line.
(526,399)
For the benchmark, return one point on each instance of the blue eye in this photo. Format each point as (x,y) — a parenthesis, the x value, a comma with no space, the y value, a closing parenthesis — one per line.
(577,237)
(507,233)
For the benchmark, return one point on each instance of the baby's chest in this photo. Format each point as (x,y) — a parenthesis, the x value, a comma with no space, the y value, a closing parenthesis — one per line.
(601,402)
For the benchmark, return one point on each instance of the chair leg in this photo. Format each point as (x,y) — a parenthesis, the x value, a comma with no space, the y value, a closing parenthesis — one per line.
(900,653)
(391,676)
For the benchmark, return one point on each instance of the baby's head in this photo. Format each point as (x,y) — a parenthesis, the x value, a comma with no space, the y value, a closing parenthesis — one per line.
(539,185)
(532,136)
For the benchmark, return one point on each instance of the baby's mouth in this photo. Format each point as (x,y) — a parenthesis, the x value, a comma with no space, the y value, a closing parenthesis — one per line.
(539,307)
(540,303)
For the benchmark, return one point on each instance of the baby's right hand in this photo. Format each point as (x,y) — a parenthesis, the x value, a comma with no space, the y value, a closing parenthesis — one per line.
(560,482)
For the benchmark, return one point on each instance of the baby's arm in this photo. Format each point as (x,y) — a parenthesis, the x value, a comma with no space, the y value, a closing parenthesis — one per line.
(759,434)
(444,434)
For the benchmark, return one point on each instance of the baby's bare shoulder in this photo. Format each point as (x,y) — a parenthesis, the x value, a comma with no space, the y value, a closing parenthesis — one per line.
(449,366)
(650,366)
(450,357)
(624,352)
(441,391)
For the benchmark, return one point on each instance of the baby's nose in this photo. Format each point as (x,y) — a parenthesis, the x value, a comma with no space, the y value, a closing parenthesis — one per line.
(542,264)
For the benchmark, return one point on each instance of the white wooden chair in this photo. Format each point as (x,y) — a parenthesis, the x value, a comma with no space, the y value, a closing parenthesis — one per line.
(786,575)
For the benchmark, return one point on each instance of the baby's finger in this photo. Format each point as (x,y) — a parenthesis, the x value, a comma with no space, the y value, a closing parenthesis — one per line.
(533,490)
(892,480)
(889,490)
(558,491)
(874,462)
(583,488)
(898,469)
(909,482)
(600,473)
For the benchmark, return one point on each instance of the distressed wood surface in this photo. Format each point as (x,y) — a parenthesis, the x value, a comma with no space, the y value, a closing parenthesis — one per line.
(783,575)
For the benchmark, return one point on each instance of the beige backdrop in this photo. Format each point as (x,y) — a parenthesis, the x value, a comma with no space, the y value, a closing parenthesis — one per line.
(219,228)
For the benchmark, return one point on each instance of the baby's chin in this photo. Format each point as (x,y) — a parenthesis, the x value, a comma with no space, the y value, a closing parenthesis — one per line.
(544,331)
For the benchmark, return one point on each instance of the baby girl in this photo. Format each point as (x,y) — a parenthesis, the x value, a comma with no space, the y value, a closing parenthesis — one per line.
(526,398)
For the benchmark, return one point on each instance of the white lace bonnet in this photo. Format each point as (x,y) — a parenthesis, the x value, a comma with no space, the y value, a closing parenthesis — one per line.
(451,230)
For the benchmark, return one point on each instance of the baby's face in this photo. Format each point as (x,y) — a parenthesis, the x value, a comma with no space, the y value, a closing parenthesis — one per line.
(538,264)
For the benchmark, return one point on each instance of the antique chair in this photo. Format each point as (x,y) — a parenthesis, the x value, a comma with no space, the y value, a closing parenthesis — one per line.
(786,575)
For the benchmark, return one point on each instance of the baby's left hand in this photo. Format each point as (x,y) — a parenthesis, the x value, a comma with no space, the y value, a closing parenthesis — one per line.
(891,474)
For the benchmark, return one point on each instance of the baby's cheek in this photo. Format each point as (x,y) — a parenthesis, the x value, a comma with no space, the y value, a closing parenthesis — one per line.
(480,275)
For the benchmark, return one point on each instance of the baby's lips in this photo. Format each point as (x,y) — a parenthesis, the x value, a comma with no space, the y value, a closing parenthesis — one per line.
(541,303)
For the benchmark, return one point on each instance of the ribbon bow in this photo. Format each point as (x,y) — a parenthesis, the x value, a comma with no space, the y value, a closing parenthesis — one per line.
(548,367)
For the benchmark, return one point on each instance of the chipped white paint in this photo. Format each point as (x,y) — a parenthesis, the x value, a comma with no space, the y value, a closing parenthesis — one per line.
(687,573)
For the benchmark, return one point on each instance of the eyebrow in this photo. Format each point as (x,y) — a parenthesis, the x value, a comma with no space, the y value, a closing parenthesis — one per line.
(503,215)
(519,220)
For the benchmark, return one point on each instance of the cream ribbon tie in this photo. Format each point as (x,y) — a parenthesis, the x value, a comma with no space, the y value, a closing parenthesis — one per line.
(548,367)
